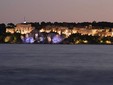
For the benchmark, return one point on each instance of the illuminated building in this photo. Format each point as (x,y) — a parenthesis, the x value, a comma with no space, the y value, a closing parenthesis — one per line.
(23,28)
(10,30)
(81,30)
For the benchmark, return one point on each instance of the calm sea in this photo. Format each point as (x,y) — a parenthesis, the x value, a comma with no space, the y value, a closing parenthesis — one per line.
(34,64)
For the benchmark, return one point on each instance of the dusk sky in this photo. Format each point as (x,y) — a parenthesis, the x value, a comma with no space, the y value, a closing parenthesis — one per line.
(55,10)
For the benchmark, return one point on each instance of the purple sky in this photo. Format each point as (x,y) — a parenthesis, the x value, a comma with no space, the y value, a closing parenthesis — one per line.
(55,10)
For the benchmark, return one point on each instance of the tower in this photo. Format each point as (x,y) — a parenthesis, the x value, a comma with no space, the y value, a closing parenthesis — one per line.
(25,20)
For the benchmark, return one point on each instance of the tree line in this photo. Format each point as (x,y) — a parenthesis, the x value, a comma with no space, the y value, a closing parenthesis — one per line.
(74,38)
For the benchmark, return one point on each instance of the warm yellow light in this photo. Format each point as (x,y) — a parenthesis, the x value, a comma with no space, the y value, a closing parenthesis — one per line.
(7,39)
(85,41)
(77,42)
(42,30)
(108,42)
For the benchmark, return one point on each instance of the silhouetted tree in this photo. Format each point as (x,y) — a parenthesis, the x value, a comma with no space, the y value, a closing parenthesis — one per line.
(2,29)
(11,25)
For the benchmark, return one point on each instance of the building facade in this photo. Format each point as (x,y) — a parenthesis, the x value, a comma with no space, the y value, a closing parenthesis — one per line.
(23,28)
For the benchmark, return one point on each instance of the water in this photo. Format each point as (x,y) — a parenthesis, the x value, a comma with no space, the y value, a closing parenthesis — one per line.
(24,64)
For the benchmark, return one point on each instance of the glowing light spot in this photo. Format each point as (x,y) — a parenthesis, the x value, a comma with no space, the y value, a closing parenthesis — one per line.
(7,39)
(29,40)
(56,39)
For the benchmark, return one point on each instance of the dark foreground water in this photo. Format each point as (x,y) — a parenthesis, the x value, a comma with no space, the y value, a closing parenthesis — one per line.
(56,64)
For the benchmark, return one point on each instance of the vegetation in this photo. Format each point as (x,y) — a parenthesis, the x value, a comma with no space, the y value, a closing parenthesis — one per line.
(72,39)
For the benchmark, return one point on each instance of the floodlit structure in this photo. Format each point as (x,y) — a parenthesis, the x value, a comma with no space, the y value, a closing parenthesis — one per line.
(23,28)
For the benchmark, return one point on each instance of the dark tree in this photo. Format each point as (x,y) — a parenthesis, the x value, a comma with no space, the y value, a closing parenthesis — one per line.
(2,29)
(11,25)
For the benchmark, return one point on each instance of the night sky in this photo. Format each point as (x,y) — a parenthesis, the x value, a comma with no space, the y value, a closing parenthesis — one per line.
(55,10)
